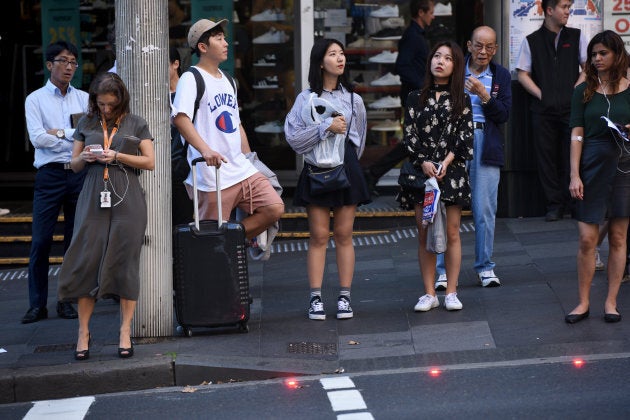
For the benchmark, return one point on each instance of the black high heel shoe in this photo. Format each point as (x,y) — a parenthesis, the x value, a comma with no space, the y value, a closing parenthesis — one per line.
(84,354)
(126,353)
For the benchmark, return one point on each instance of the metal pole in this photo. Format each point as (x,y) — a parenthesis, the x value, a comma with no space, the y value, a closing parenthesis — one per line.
(142,62)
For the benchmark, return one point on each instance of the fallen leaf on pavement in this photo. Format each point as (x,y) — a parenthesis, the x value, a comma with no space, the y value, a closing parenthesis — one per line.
(189,389)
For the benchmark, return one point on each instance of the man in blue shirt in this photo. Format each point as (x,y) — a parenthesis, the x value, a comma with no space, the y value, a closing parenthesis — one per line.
(489,87)
(49,111)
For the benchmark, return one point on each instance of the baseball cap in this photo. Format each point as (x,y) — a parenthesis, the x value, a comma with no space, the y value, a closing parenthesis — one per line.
(200,27)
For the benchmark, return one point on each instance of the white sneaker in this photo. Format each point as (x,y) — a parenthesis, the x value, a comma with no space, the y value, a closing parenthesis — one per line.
(387,79)
(387,57)
(386,102)
(443,9)
(599,264)
(269,15)
(386,11)
(386,125)
(426,303)
(452,303)
(269,60)
(440,284)
(4,212)
(270,82)
(488,279)
(393,22)
(273,36)
(270,127)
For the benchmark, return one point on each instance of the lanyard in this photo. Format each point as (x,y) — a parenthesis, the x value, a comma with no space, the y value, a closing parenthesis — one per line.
(107,141)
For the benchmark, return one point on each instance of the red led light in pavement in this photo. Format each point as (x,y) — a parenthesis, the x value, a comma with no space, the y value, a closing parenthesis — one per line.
(578,363)
(292,383)
(435,372)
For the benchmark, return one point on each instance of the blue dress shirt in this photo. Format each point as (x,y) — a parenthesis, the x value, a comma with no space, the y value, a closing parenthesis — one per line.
(47,108)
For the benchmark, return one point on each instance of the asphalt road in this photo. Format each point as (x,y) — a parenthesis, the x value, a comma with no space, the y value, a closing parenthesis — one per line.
(535,388)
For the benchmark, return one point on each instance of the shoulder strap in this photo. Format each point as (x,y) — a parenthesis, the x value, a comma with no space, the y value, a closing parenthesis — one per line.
(231,80)
(201,87)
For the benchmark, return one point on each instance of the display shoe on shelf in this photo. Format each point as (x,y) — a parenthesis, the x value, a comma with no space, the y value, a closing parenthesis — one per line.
(270,82)
(442,9)
(386,102)
(386,11)
(270,127)
(384,57)
(388,34)
(269,15)
(387,79)
(393,22)
(386,125)
(269,60)
(273,36)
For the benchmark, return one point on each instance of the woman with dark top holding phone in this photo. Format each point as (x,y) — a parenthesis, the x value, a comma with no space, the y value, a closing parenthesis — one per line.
(103,260)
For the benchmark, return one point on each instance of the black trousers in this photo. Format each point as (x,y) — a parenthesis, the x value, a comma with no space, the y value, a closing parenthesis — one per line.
(552,143)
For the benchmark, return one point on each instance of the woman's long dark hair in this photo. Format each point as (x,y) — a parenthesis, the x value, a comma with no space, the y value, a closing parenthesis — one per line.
(108,83)
(315,71)
(456,80)
(614,43)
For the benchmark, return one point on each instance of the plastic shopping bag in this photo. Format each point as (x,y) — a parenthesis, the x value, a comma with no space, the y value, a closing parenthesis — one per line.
(436,231)
(431,200)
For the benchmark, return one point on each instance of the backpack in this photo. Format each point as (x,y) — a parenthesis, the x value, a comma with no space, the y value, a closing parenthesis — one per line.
(179,148)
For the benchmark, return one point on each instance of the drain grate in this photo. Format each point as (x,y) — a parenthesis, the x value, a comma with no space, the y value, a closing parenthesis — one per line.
(312,348)
(53,348)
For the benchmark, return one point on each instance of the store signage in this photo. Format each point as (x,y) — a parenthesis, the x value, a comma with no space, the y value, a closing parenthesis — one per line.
(61,22)
(617,18)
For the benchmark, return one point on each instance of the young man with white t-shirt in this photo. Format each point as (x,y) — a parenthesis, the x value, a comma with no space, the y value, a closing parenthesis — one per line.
(218,136)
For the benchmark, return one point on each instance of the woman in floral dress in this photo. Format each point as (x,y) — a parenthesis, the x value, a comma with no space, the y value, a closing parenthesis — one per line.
(439,131)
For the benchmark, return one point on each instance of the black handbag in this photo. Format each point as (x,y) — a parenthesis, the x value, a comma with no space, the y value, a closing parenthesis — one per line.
(411,177)
(323,180)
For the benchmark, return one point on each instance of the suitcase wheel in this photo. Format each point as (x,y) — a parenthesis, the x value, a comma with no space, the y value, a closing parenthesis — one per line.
(243,327)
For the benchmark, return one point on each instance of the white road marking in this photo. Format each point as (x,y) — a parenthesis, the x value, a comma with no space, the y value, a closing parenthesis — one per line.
(337,383)
(346,400)
(356,416)
(66,409)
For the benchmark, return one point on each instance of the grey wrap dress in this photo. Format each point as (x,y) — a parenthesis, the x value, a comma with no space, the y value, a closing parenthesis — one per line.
(103,260)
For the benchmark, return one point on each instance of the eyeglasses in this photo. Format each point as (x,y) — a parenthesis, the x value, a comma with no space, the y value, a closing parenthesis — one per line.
(489,48)
(65,62)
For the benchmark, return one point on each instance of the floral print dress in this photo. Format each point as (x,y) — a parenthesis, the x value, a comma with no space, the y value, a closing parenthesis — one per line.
(430,134)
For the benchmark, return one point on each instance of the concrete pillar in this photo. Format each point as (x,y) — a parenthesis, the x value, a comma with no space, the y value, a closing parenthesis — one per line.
(142,62)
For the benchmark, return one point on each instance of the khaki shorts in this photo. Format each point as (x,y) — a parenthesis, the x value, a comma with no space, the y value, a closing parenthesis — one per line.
(248,195)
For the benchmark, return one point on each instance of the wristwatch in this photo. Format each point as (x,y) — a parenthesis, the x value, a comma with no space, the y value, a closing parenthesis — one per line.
(61,134)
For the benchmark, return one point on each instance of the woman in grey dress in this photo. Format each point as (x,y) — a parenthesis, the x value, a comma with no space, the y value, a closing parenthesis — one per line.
(103,259)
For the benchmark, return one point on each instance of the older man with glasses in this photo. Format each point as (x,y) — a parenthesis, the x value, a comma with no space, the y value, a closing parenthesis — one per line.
(489,87)
(49,112)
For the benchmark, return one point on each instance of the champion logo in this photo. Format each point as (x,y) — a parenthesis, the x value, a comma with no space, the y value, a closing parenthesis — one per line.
(567,45)
(224,122)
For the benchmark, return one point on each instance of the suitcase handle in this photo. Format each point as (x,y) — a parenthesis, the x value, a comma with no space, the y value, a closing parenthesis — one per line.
(196,199)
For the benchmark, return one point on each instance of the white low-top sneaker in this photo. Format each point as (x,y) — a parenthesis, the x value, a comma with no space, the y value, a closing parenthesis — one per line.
(386,12)
(443,9)
(387,125)
(387,79)
(384,57)
(488,279)
(386,102)
(440,284)
(451,303)
(426,303)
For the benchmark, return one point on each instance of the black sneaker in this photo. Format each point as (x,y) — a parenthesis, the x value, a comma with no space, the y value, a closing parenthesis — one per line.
(316,309)
(344,311)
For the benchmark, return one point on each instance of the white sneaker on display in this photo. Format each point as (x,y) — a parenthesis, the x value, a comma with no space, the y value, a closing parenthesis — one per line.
(270,127)
(4,212)
(386,102)
(269,15)
(387,79)
(273,36)
(393,22)
(426,303)
(386,11)
(442,9)
(384,57)
(386,125)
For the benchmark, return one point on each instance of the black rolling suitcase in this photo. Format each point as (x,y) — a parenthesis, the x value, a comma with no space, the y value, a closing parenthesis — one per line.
(211,279)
